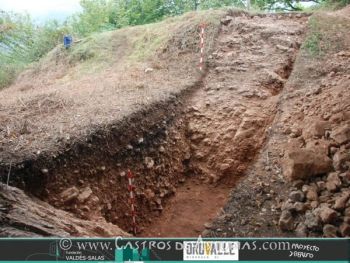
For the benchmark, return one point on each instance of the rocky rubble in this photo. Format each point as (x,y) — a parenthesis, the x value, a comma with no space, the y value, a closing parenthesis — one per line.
(319,201)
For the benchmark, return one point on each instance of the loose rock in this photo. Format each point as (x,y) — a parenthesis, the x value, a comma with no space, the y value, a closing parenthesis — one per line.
(341,160)
(85,194)
(286,221)
(330,231)
(301,230)
(225,21)
(333,182)
(340,202)
(327,215)
(304,163)
(317,129)
(149,194)
(341,134)
(312,195)
(312,221)
(149,162)
(297,196)
(69,194)
(344,229)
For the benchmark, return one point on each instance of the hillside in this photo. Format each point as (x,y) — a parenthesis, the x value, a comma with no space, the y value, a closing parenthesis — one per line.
(73,93)
(254,145)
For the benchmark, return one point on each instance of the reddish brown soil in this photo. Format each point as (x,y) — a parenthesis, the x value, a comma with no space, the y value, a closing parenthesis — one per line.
(185,215)
(317,90)
(228,117)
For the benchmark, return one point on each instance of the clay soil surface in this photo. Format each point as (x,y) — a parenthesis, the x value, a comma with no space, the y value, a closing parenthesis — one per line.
(195,205)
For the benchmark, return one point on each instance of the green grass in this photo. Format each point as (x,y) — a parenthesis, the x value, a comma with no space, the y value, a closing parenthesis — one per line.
(134,44)
(8,73)
(312,43)
(326,34)
(129,45)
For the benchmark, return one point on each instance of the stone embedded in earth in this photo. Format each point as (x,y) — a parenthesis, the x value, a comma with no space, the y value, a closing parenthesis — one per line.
(149,194)
(333,182)
(148,70)
(69,194)
(301,230)
(314,204)
(298,183)
(344,229)
(340,202)
(327,215)
(283,48)
(297,196)
(345,178)
(149,162)
(296,132)
(341,159)
(225,21)
(300,207)
(312,221)
(304,163)
(333,150)
(337,118)
(317,129)
(275,81)
(208,225)
(341,134)
(321,185)
(312,195)
(288,205)
(286,221)
(322,146)
(85,194)
(224,167)
(330,231)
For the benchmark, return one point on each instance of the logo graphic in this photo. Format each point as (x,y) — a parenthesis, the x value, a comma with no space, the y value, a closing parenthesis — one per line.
(210,250)
(65,243)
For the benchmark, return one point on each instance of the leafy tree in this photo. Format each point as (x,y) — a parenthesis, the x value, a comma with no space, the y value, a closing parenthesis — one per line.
(94,17)
(22,42)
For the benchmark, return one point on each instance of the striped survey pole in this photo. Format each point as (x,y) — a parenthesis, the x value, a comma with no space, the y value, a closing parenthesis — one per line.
(131,189)
(201,61)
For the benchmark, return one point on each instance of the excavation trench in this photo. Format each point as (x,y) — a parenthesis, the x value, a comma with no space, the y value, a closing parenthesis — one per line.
(188,152)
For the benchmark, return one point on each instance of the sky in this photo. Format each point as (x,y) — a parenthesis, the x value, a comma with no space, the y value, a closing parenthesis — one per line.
(42,10)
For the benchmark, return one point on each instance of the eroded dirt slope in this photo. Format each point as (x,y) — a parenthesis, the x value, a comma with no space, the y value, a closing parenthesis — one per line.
(300,182)
(229,116)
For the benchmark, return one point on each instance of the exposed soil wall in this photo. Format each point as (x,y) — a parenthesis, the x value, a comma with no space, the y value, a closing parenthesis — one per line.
(200,141)
(150,143)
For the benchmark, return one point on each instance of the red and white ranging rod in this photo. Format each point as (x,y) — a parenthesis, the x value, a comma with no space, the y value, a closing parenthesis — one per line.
(201,61)
(131,189)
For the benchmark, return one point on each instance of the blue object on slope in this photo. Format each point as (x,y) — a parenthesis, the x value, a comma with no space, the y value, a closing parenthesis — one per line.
(67,41)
